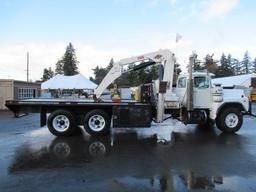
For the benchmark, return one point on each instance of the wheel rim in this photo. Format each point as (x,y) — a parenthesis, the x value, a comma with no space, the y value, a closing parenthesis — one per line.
(231,120)
(96,123)
(61,123)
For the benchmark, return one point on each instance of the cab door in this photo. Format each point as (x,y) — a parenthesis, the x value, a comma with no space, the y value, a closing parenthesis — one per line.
(202,92)
(181,90)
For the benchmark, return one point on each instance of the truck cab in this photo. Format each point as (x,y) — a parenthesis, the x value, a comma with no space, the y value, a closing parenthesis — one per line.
(202,90)
(223,106)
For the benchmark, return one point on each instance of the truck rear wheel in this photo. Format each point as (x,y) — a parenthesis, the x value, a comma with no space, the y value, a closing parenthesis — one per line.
(61,123)
(229,120)
(97,122)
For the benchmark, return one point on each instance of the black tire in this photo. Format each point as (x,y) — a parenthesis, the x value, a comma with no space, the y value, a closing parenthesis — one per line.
(54,123)
(97,123)
(222,119)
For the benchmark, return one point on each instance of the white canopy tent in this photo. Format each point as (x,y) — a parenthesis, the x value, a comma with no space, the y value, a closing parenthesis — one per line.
(68,82)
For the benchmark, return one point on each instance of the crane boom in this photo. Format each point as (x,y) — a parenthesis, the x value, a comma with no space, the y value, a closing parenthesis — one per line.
(164,57)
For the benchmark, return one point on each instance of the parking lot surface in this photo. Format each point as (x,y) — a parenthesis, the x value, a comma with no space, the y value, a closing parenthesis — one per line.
(185,158)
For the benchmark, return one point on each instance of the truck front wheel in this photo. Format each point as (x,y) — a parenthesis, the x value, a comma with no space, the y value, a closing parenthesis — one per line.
(229,120)
(61,123)
(97,122)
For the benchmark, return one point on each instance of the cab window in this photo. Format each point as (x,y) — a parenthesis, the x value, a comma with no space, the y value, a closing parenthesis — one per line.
(182,82)
(201,82)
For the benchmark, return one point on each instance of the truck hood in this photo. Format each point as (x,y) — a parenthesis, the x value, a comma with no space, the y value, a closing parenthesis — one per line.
(233,94)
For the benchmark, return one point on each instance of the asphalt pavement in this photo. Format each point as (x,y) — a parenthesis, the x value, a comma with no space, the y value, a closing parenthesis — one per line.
(185,158)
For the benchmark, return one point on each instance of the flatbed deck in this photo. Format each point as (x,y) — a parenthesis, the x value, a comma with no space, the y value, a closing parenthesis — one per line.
(36,105)
(80,101)
(77,106)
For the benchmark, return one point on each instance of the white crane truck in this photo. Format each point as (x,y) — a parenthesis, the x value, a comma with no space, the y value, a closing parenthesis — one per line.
(194,101)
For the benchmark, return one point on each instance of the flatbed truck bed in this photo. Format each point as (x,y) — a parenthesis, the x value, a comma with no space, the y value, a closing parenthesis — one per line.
(127,113)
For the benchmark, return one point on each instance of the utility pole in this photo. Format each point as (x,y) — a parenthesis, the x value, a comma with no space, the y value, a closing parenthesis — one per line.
(190,84)
(27,66)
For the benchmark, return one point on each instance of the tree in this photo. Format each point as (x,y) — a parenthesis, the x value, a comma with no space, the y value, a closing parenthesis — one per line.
(229,60)
(154,72)
(225,69)
(254,66)
(100,72)
(47,74)
(59,67)
(143,77)
(197,63)
(67,65)
(235,63)
(245,64)
(110,65)
(92,79)
(210,64)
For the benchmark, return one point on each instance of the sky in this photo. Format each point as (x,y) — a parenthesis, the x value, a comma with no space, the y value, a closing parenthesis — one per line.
(102,29)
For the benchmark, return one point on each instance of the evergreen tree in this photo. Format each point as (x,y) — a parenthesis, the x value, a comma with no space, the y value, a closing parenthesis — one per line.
(131,77)
(110,65)
(197,63)
(69,61)
(245,65)
(225,69)
(229,60)
(100,72)
(154,72)
(210,64)
(235,63)
(143,77)
(59,67)
(47,74)
(92,79)
(67,65)
(254,66)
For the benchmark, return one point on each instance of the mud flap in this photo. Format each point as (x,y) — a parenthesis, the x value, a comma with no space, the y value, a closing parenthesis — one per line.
(43,117)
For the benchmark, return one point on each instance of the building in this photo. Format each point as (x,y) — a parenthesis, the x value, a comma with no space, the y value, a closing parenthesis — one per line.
(238,80)
(16,90)
(246,82)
